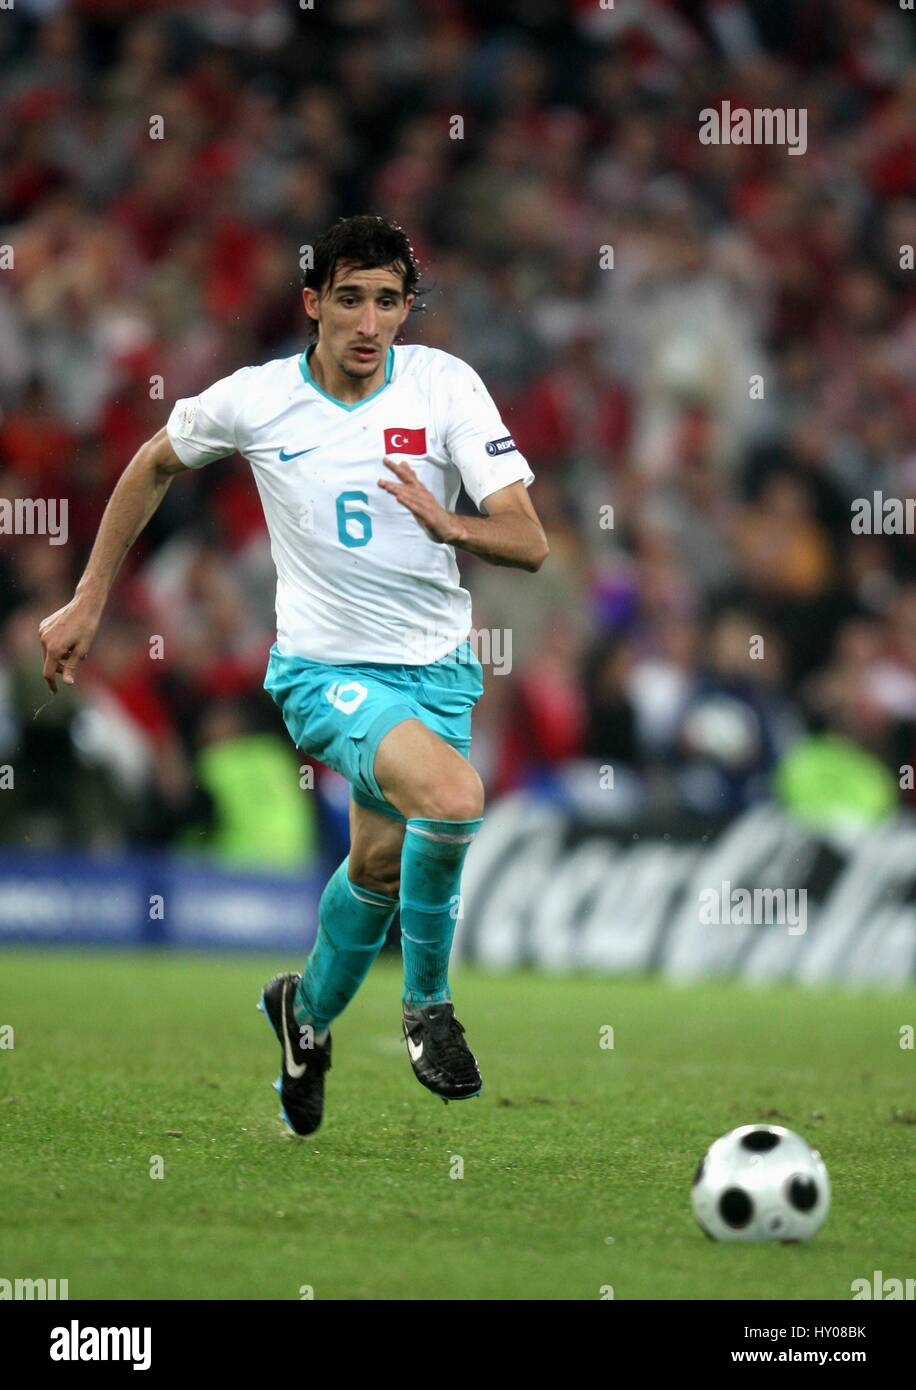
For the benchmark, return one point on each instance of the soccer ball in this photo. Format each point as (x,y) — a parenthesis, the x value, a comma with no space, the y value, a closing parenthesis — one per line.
(761,1182)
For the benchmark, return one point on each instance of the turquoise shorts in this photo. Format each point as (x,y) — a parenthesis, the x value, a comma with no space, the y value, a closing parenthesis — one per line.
(340,714)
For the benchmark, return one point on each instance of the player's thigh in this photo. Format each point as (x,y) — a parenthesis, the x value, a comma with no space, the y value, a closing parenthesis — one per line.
(376,841)
(338,714)
(421,774)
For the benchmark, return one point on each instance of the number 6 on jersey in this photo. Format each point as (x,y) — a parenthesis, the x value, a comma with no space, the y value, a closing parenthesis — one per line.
(349,515)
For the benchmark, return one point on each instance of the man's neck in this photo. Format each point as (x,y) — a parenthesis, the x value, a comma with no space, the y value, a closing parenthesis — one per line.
(336,383)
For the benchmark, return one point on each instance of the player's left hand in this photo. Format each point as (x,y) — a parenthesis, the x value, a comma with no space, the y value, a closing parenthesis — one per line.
(439,524)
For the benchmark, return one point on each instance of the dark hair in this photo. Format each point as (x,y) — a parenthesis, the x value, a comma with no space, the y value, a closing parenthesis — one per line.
(367,242)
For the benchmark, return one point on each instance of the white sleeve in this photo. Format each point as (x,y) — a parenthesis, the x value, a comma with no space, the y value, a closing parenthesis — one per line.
(203,428)
(477,440)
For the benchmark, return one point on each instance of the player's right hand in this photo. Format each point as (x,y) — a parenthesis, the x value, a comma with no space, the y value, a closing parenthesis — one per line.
(66,637)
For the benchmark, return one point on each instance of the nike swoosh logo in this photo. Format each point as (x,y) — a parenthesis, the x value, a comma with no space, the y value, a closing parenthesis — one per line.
(295,1069)
(415,1049)
(285,457)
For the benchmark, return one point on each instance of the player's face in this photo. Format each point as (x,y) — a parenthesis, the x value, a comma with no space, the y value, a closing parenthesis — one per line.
(359,315)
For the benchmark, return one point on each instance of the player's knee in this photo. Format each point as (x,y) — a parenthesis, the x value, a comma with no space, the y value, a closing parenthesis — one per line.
(460,798)
(378,872)
(388,885)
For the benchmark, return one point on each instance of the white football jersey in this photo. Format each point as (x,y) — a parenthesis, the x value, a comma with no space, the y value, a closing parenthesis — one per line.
(358,578)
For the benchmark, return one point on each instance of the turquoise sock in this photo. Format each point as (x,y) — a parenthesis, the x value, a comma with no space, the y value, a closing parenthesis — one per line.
(431,862)
(352,925)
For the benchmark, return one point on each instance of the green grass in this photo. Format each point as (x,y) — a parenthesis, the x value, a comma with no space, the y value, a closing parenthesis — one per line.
(577,1161)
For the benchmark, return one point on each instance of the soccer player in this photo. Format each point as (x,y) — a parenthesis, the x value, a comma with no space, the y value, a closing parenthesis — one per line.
(372,668)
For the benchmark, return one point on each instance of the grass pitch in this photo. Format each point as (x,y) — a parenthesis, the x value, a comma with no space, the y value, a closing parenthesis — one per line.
(577,1161)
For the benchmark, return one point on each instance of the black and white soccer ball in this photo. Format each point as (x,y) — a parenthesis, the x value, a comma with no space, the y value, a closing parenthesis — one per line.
(761,1182)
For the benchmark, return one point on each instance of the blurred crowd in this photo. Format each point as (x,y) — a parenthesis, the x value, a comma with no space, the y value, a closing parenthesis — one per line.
(706,352)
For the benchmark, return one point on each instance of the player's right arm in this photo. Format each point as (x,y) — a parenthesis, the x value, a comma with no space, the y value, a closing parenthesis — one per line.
(67,635)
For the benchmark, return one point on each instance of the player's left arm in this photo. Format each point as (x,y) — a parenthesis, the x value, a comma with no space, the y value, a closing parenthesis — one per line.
(510,533)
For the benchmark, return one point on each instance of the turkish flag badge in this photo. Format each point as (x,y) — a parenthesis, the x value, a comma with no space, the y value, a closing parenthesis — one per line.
(405,441)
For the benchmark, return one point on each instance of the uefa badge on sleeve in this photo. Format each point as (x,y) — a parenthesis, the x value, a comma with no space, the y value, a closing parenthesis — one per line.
(496,447)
